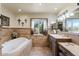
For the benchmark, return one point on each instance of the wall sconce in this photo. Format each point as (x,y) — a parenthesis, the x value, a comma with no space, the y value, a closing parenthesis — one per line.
(25,20)
(19,21)
(22,23)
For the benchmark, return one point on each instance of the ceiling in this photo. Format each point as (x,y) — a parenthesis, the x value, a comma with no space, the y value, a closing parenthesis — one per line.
(36,7)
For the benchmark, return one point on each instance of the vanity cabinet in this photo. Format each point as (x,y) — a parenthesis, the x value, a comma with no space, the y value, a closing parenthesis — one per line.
(54,39)
(0,50)
(68,48)
(64,52)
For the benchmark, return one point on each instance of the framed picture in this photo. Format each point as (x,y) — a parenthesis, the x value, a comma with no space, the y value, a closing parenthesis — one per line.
(4,20)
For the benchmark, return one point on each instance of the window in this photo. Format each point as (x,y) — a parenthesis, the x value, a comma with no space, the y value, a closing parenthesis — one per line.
(39,25)
(72,25)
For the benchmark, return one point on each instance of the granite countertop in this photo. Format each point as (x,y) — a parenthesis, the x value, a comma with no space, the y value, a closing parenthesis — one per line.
(72,47)
(72,33)
(57,36)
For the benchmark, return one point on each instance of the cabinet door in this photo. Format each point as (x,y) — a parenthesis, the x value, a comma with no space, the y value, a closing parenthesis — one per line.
(0,51)
(52,45)
(65,52)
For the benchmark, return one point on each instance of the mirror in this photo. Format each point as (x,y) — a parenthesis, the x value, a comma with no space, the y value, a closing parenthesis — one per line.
(4,20)
(70,21)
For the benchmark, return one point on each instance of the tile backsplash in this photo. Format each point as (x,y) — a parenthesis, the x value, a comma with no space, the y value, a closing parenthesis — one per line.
(6,33)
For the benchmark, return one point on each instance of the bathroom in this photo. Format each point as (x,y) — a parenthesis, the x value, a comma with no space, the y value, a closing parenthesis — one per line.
(41,31)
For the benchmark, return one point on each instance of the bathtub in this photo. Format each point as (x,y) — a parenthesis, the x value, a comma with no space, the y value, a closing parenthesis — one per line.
(17,47)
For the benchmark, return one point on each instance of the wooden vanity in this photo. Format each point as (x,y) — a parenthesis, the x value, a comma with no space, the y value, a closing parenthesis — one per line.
(54,39)
(68,49)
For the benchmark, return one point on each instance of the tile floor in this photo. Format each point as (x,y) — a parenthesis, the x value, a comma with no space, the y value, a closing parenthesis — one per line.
(41,51)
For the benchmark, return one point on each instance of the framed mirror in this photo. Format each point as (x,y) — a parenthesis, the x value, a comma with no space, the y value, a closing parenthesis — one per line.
(71,21)
(4,20)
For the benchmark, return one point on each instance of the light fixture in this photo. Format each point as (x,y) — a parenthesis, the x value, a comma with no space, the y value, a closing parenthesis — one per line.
(19,10)
(55,8)
(25,20)
(71,14)
(67,15)
(40,4)
(60,18)
(19,21)
(63,16)
(53,22)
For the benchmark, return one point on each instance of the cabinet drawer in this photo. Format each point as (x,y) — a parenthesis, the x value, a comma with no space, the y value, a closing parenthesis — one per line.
(65,52)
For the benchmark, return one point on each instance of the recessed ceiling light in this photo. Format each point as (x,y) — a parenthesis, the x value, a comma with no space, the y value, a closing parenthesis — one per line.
(40,4)
(55,8)
(19,10)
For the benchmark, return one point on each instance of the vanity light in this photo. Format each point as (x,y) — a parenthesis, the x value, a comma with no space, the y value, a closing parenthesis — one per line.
(63,16)
(67,15)
(71,14)
(53,22)
(60,18)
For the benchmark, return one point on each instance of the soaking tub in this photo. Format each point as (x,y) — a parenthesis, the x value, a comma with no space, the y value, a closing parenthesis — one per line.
(17,47)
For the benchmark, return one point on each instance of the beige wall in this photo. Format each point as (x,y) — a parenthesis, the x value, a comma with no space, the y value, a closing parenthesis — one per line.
(28,16)
(0,8)
(8,13)
(15,17)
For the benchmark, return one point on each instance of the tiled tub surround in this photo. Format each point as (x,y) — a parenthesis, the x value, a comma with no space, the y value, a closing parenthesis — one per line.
(6,33)
(37,40)
(40,41)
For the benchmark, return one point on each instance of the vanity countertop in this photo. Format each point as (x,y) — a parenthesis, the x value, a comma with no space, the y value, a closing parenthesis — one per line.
(57,36)
(72,47)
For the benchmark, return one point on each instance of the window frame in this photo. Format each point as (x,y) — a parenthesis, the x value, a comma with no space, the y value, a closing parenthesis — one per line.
(38,18)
